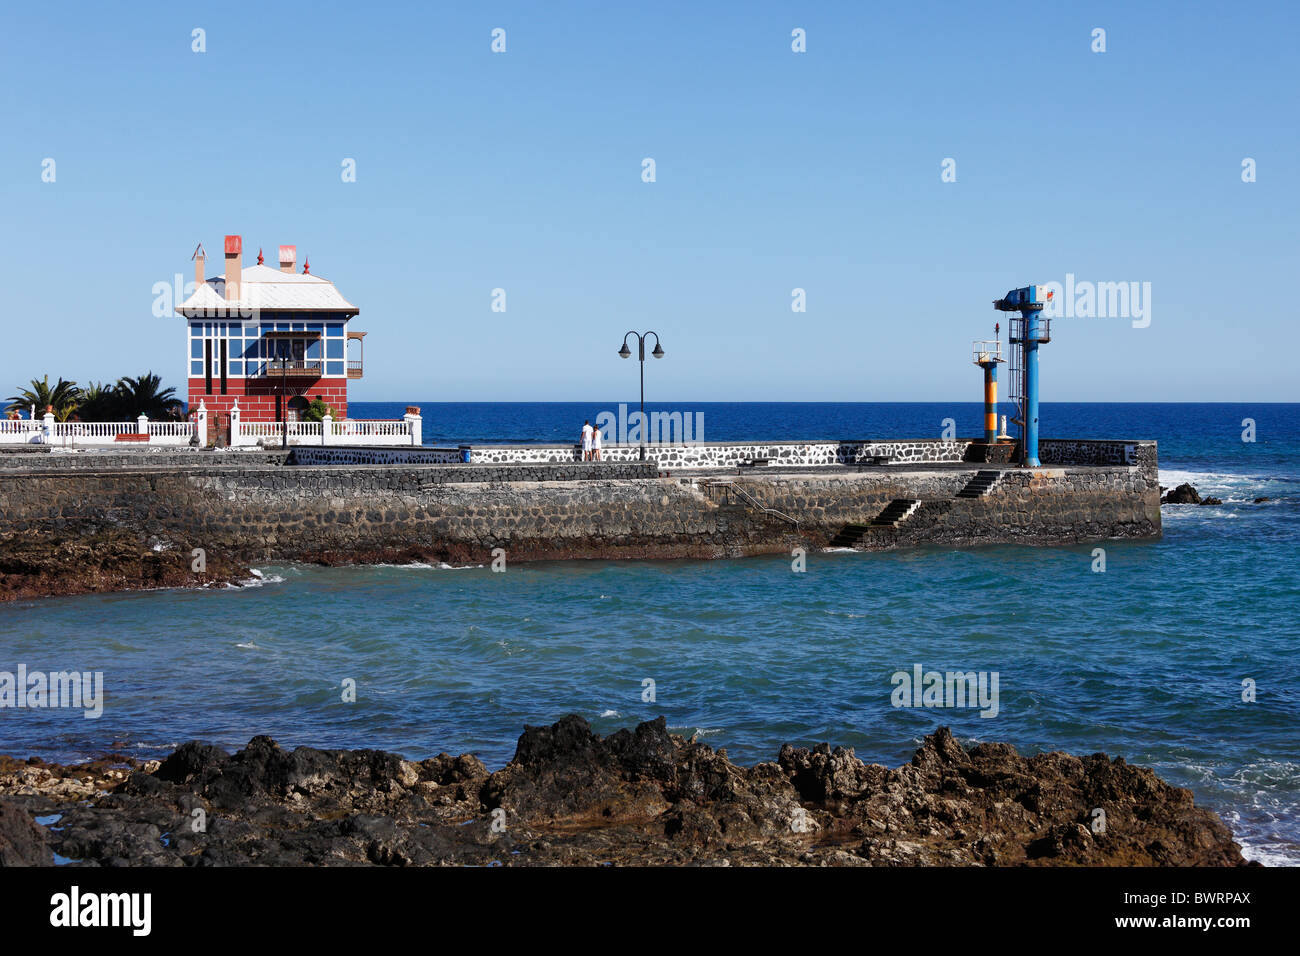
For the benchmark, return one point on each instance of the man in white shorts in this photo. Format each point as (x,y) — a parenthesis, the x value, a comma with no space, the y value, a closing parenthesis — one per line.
(586,441)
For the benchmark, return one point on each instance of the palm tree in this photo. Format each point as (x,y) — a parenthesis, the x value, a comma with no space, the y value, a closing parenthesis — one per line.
(63,398)
(141,396)
(100,403)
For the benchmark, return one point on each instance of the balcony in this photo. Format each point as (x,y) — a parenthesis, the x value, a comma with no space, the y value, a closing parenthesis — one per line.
(291,368)
(355,364)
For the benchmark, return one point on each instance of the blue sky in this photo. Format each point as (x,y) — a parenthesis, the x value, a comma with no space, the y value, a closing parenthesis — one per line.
(775,171)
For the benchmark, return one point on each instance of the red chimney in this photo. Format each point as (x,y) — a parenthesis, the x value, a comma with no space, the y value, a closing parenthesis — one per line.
(234,267)
(288,256)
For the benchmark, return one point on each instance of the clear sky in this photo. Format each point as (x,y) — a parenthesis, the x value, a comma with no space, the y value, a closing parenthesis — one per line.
(775,170)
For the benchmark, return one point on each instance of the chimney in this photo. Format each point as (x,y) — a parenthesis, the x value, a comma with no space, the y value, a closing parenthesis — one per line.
(199,257)
(288,256)
(234,267)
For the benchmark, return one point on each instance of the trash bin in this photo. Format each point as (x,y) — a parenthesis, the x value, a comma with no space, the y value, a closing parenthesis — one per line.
(464,453)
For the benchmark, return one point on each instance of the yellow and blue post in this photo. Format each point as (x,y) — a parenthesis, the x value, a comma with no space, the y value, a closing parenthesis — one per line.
(990,401)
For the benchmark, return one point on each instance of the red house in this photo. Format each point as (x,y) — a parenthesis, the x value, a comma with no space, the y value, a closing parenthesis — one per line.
(271,339)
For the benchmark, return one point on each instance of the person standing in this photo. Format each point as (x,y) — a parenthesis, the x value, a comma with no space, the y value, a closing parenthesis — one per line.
(586,440)
(595,444)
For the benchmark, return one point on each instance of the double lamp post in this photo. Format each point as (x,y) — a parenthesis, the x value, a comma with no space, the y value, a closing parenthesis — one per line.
(658,353)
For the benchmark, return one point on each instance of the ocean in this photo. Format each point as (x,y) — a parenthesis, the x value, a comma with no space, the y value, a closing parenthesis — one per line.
(1145,659)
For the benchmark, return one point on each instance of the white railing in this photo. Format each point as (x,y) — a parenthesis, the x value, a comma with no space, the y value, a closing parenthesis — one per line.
(93,431)
(69,434)
(105,432)
(347,431)
(369,431)
(170,433)
(20,431)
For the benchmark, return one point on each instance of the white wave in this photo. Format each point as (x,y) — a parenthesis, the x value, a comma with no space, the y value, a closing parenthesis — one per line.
(1231,487)
(1206,512)
(1269,854)
(258,580)
(249,645)
(610,713)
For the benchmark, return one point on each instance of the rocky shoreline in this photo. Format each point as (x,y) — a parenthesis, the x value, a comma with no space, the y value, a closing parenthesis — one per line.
(36,565)
(634,797)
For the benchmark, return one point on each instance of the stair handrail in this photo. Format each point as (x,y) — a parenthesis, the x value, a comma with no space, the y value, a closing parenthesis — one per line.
(755,502)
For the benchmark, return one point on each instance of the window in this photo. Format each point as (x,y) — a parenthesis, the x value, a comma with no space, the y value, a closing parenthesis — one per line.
(334,349)
(333,368)
(196,348)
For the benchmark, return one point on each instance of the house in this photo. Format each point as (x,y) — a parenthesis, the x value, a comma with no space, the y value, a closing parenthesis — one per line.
(270,339)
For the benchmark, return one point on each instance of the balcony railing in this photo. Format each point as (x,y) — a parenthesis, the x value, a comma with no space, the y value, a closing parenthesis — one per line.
(354,368)
(291,368)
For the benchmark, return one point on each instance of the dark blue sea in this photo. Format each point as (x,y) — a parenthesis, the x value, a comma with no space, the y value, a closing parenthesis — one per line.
(1146,659)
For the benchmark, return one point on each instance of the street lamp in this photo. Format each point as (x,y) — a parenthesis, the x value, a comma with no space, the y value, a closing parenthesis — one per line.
(658,353)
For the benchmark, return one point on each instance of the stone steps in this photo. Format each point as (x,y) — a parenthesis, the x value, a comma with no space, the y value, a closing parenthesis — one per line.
(980,485)
(896,512)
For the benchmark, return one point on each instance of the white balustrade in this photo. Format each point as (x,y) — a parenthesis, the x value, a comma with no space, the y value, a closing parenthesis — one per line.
(20,431)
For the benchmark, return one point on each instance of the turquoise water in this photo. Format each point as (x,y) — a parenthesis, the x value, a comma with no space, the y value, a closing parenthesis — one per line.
(1145,660)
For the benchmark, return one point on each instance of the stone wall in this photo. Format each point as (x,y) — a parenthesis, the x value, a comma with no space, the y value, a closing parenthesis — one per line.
(432,512)
(699,455)
(1062,451)
(142,457)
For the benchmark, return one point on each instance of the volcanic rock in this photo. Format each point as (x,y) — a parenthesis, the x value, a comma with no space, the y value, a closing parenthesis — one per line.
(1184,494)
(638,796)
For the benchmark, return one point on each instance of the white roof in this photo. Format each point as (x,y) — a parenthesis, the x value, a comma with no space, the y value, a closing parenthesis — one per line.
(268,290)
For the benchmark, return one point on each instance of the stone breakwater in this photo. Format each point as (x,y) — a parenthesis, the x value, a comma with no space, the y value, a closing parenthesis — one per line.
(638,797)
(241,513)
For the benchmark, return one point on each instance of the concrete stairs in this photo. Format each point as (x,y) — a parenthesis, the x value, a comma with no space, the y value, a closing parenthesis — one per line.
(896,512)
(980,485)
(850,536)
